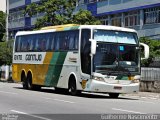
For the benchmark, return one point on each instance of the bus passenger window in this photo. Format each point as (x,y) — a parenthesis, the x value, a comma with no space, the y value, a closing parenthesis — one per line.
(76,41)
(52,42)
(24,44)
(18,44)
(71,42)
(41,45)
(56,42)
(65,43)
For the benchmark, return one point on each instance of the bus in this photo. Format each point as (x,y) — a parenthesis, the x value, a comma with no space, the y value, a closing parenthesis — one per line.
(91,58)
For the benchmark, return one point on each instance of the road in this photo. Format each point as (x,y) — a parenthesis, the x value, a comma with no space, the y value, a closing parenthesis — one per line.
(49,105)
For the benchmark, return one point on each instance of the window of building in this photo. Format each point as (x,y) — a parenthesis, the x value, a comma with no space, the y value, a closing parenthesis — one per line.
(91,1)
(132,18)
(116,20)
(104,20)
(16,16)
(102,0)
(152,15)
(81,2)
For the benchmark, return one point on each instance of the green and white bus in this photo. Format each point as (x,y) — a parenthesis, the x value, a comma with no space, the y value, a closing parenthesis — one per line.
(93,58)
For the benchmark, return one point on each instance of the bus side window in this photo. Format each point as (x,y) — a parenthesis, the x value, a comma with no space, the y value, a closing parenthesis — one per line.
(41,43)
(56,42)
(24,44)
(65,42)
(30,43)
(71,42)
(18,44)
(36,44)
(52,42)
(62,41)
(76,43)
(48,42)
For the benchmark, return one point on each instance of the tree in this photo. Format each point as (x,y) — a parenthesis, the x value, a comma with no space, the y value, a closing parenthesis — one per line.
(55,12)
(154,50)
(6,52)
(85,17)
(58,12)
(2,25)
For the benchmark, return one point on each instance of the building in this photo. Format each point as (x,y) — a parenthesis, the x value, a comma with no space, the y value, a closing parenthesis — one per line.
(3,6)
(142,15)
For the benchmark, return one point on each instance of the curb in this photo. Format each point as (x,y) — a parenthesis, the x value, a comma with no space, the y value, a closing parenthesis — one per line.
(145,95)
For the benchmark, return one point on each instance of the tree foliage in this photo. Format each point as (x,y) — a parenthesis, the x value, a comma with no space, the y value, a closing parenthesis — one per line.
(154,50)
(6,52)
(58,12)
(85,17)
(2,25)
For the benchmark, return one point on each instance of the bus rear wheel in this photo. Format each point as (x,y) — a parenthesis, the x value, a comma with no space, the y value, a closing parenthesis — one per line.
(29,81)
(113,95)
(31,86)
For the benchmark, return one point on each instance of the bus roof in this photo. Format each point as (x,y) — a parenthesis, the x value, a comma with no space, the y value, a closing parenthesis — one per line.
(107,27)
(73,27)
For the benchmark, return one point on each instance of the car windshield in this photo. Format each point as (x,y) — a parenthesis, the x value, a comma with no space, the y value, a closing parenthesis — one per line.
(116,55)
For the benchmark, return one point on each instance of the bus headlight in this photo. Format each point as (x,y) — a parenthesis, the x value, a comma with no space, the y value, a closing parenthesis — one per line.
(98,78)
(136,79)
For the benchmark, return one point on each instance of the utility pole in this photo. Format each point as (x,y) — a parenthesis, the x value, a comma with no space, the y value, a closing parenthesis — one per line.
(7,38)
(7,12)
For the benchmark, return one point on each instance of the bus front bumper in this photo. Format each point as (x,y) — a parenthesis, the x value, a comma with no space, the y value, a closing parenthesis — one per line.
(99,86)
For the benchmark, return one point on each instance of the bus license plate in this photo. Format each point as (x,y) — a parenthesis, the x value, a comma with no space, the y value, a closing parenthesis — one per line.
(117,87)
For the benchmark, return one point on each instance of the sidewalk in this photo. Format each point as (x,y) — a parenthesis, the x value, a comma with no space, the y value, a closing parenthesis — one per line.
(149,95)
(8,81)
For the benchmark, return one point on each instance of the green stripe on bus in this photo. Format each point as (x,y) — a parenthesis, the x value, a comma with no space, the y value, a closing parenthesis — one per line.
(55,68)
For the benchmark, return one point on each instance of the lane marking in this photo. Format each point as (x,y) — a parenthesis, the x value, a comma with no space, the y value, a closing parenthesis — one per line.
(127,111)
(19,112)
(143,97)
(145,101)
(8,92)
(60,100)
(35,116)
(154,98)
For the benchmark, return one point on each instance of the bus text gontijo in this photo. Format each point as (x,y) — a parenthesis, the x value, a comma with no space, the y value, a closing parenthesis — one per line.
(95,58)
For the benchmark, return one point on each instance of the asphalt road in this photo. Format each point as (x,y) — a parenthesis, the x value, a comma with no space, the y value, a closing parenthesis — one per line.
(46,104)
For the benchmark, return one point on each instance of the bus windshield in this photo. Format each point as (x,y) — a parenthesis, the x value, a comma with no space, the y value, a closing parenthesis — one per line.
(115,36)
(115,54)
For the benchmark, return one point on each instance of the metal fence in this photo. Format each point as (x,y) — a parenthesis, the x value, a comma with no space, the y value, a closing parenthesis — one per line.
(150,74)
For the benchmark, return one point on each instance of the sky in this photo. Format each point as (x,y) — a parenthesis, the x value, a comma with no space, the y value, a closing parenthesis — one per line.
(3,5)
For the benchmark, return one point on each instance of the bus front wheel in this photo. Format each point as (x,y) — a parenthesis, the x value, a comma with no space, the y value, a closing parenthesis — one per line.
(113,95)
(73,87)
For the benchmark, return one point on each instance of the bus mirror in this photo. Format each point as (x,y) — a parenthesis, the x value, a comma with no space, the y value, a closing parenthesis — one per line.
(146,51)
(93,46)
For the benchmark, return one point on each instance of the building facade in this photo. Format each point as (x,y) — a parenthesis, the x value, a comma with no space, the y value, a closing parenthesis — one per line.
(142,15)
